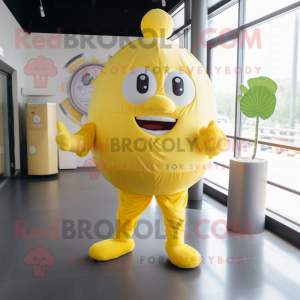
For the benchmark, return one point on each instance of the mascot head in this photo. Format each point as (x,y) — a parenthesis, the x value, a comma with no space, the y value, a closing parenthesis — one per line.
(149,104)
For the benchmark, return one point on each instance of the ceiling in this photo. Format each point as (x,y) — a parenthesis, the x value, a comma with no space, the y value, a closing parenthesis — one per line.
(101,17)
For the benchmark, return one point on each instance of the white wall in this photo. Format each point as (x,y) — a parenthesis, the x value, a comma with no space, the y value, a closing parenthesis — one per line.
(15,59)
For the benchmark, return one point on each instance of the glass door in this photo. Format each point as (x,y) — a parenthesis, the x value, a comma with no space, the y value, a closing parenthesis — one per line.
(6,127)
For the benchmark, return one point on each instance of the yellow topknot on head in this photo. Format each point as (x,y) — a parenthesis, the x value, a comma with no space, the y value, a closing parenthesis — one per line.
(157,23)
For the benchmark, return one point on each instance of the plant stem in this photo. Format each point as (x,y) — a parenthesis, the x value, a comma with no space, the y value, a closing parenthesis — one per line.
(256,134)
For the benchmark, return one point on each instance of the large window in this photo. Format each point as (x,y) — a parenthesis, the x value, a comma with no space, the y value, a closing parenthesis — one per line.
(283,170)
(256,9)
(222,72)
(264,45)
(182,38)
(223,22)
(277,57)
(178,16)
(178,19)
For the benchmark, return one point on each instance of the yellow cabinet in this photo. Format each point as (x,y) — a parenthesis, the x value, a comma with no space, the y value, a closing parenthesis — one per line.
(42,153)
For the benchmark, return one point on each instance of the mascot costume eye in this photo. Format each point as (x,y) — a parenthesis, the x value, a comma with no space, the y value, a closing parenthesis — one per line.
(151,122)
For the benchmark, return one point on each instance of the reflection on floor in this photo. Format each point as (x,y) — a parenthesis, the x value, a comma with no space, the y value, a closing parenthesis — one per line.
(81,210)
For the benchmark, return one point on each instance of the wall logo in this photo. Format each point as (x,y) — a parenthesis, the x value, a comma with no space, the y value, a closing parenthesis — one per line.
(75,84)
(39,258)
(40,68)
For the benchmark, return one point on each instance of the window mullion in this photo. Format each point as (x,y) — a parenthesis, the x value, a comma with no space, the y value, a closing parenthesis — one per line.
(187,17)
(240,76)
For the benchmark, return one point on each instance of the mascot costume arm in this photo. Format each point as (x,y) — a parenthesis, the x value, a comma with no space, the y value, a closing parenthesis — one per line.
(212,140)
(80,142)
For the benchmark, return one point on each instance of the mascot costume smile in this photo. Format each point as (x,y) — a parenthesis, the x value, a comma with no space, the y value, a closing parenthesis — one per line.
(152,132)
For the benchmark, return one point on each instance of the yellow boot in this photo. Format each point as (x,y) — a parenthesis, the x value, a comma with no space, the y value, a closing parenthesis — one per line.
(110,249)
(183,256)
(131,207)
(173,209)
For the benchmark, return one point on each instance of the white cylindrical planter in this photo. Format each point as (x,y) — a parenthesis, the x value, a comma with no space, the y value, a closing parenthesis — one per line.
(247,194)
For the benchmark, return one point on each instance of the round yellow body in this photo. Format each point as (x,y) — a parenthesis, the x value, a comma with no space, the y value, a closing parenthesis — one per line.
(134,160)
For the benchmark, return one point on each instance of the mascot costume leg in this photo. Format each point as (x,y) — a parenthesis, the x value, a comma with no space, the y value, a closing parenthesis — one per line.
(151,128)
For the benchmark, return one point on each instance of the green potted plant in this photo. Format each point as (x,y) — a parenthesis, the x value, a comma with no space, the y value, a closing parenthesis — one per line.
(248,176)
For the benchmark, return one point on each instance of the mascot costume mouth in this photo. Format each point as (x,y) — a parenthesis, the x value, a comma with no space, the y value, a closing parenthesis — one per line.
(155,108)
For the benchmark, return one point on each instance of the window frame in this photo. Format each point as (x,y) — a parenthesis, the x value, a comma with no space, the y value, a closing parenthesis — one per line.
(278,224)
(185,28)
(239,34)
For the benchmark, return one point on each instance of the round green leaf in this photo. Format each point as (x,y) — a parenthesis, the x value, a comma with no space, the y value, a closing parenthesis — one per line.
(243,89)
(259,101)
(262,81)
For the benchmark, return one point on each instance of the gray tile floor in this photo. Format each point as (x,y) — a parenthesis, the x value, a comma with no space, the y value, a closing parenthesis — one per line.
(265,267)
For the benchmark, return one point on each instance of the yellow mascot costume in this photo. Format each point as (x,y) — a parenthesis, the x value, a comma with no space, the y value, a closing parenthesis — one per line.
(151,129)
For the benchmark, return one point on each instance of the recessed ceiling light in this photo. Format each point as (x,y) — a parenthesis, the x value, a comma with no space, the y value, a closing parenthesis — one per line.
(163,2)
(42,9)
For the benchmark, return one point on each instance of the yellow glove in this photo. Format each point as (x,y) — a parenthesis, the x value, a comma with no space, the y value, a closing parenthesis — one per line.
(212,140)
(68,141)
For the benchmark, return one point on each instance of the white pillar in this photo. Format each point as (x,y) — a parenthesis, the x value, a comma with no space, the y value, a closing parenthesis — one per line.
(199,25)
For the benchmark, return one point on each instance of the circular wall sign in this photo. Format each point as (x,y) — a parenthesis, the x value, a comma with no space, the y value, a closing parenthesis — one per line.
(81,86)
